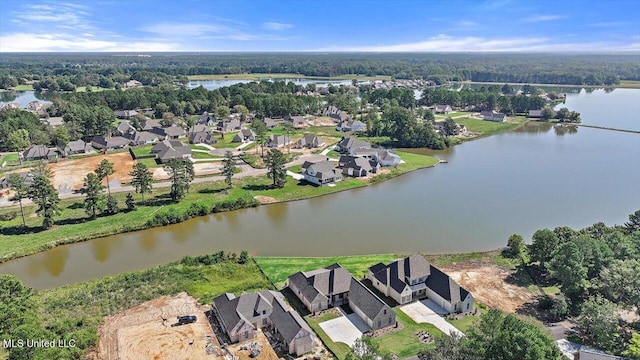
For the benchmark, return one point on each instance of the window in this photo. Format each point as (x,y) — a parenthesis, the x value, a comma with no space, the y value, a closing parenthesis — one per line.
(379,323)
(246,334)
(385,312)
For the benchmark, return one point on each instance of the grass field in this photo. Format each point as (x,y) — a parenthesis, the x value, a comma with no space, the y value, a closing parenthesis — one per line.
(150,162)
(142,150)
(404,343)
(93,89)
(77,310)
(629,84)
(24,88)
(226,142)
(283,76)
(279,269)
(486,128)
(9,159)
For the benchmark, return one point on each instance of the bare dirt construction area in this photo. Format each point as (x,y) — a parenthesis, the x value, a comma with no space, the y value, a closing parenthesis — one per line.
(141,332)
(68,175)
(489,285)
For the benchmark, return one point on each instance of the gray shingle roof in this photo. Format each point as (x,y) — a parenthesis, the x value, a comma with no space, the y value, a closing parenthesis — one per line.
(365,300)
(439,283)
(226,305)
(287,322)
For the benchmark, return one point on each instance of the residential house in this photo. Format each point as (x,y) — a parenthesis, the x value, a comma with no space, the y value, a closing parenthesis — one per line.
(27,176)
(331,111)
(171,132)
(109,143)
(334,286)
(270,123)
(240,318)
(349,144)
(206,119)
(244,135)
(125,129)
(198,128)
(358,166)
(309,141)
(384,157)
(125,114)
(150,124)
(36,106)
(296,121)
(229,126)
(535,114)
(439,127)
(277,141)
(144,137)
(54,121)
(202,137)
(76,147)
(320,173)
(413,278)
(171,149)
(351,125)
(39,152)
(493,116)
(131,83)
(443,109)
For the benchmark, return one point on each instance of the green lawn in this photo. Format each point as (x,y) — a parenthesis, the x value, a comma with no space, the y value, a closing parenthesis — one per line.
(405,343)
(77,310)
(93,89)
(201,155)
(279,269)
(150,162)
(226,142)
(489,257)
(10,159)
(198,147)
(142,150)
(486,128)
(333,154)
(326,131)
(24,88)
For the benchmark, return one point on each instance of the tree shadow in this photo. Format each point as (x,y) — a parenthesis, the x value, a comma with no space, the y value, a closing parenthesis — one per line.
(212,191)
(258,187)
(75,206)
(20,230)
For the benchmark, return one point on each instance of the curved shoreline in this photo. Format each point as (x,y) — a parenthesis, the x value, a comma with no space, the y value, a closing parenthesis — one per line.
(127,229)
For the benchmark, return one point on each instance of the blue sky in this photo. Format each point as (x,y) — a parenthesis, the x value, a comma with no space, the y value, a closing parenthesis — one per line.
(327,25)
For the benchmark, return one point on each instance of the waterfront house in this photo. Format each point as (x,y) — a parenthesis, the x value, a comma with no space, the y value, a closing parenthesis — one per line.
(358,166)
(349,144)
(309,141)
(493,116)
(535,114)
(332,286)
(413,278)
(241,317)
(321,172)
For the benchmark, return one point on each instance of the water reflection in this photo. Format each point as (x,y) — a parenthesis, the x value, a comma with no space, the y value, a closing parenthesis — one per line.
(8,96)
(148,240)
(534,127)
(104,247)
(52,262)
(562,130)
(277,213)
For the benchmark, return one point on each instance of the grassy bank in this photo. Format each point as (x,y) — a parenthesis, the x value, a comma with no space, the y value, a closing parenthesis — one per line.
(487,128)
(72,224)
(260,76)
(76,311)
(629,84)
(277,269)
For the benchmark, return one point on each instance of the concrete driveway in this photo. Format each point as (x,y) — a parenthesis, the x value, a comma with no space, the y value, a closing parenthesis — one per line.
(341,329)
(420,312)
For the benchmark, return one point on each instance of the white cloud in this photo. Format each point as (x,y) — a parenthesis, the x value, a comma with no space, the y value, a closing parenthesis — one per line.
(542,18)
(467,23)
(446,43)
(607,24)
(57,14)
(276,26)
(187,29)
(25,42)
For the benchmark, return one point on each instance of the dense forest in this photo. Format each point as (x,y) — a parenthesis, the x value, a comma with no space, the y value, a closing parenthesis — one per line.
(112,68)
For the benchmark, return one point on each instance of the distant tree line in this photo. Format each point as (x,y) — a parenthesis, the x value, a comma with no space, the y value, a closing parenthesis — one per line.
(94,69)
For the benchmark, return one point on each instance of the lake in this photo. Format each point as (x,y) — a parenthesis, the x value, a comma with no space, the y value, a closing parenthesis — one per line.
(538,176)
(216,84)
(23,97)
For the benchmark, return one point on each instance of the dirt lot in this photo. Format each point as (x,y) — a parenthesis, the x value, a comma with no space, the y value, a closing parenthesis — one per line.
(141,333)
(69,174)
(266,351)
(488,284)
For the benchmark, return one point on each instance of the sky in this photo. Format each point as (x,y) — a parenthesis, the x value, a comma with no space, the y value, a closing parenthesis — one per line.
(320,25)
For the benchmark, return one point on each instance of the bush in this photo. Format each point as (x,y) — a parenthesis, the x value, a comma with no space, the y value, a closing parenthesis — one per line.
(240,203)
(8,216)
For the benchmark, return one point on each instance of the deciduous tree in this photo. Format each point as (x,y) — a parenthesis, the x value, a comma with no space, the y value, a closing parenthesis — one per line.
(20,188)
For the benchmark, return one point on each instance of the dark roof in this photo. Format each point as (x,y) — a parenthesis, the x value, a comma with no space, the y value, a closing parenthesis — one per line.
(76,146)
(150,124)
(226,305)
(112,142)
(198,128)
(125,127)
(324,169)
(37,151)
(365,300)
(439,283)
(173,131)
(287,321)
(415,266)
(202,137)
(300,281)
(144,136)
(396,278)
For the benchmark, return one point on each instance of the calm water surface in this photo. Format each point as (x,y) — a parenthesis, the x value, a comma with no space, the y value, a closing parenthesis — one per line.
(538,176)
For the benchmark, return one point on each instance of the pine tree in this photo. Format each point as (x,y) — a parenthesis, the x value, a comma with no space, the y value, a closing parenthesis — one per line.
(103,171)
(275,164)
(131,205)
(142,179)
(44,195)
(112,205)
(228,167)
(94,199)
(181,173)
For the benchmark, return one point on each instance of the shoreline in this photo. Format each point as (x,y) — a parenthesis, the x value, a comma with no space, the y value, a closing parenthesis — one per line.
(127,228)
